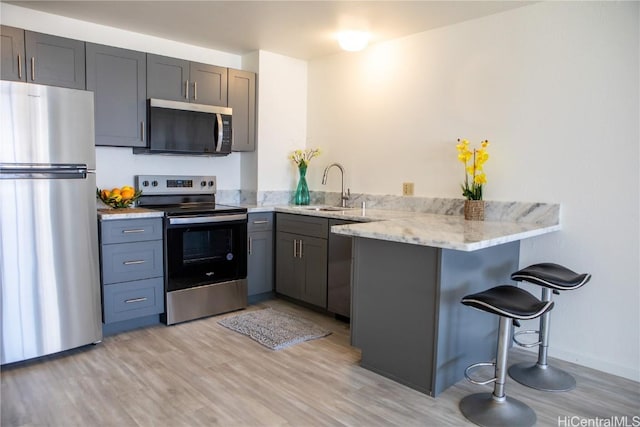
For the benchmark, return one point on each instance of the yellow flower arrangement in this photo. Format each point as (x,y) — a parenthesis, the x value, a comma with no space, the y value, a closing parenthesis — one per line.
(303,157)
(474,161)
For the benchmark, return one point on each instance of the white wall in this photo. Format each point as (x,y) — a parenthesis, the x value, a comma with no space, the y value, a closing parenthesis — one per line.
(117,166)
(282,119)
(555,87)
(281,122)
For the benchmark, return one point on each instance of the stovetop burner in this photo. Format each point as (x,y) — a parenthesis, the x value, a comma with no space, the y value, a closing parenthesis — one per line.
(181,195)
(199,209)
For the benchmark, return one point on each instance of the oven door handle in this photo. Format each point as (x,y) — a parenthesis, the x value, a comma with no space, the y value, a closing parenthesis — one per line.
(206,219)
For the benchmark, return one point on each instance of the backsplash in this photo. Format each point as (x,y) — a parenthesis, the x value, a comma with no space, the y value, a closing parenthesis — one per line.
(530,212)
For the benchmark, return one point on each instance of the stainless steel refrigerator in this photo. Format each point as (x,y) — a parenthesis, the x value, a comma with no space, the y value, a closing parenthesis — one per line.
(49,277)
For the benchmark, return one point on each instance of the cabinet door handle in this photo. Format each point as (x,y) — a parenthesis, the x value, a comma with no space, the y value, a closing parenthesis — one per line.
(19,67)
(137,261)
(300,253)
(295,247)
(250,242)
(33,68)
(186,89)
(142,131)
(132,300)
(134,230)
(260,222)
(195,90)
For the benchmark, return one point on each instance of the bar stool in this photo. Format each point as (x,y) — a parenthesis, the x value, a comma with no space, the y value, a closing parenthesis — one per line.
(496,409)
(540,376)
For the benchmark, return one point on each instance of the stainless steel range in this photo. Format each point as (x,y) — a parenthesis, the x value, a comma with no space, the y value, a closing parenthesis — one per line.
(205,246)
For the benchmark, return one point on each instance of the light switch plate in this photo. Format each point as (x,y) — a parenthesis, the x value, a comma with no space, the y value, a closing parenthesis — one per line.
(407,188)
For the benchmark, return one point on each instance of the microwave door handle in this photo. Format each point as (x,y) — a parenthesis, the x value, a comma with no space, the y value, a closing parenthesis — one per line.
(220,132)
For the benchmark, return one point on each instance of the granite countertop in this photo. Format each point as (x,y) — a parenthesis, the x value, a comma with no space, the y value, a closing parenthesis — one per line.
(417,228)
(445,231)
(128,213)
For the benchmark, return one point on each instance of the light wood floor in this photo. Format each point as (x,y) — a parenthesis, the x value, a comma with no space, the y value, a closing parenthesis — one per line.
(202,374)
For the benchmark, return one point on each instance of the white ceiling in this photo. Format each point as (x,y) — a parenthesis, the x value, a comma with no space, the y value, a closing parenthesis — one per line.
(299,29)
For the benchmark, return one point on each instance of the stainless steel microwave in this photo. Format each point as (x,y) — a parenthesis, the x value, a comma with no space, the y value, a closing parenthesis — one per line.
(184,128)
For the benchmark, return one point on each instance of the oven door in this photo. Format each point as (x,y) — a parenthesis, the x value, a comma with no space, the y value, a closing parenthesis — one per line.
(201,250)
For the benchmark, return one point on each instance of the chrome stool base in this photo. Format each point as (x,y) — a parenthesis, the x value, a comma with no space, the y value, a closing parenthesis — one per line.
(545,378)
(484,410)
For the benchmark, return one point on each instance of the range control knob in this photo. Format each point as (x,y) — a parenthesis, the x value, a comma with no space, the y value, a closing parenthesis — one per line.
(154,183)
(203,183)
(145,183)
(210,183)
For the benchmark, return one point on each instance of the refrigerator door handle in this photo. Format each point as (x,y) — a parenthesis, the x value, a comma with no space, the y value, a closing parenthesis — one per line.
(39,171)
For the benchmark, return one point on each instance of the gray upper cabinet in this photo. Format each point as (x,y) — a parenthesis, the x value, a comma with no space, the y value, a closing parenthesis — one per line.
(181,80)
(123,80)
(208,84)
(167,78)
(55,61)
(12,62)
(242,98)
(118,79)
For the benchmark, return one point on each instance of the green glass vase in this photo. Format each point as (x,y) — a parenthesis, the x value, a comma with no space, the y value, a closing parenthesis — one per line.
(302,191)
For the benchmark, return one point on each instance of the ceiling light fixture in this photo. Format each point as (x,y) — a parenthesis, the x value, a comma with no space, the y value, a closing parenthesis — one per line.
(353,41)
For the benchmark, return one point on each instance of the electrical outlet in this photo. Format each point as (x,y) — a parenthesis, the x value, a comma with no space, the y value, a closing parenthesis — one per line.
(407,188)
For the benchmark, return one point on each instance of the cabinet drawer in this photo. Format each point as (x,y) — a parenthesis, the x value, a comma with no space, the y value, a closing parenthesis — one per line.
(123,301)
(302,224)
(260,221)
(131,261)
(131,230)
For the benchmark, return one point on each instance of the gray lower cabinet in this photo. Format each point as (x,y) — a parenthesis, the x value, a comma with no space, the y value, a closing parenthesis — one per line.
(242,98)
(132,273)
(55,61)
(118,79)
(260,253)
(301,258)
(339,271)
(181,80)
(12,61)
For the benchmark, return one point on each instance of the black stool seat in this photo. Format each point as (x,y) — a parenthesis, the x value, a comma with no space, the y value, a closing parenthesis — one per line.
(552,276)
(508,301)
(511,304)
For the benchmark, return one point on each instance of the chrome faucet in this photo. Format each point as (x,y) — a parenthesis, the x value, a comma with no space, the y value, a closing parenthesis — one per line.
(344,196)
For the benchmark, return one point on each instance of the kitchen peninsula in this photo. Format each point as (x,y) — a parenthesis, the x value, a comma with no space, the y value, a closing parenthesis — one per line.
(408,277)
